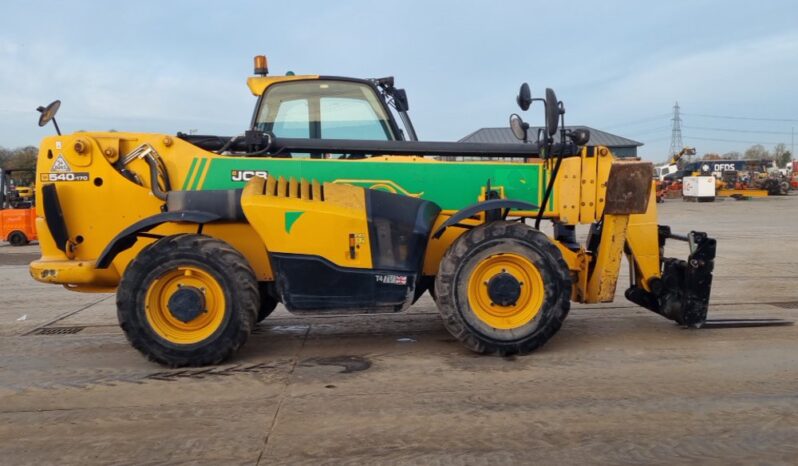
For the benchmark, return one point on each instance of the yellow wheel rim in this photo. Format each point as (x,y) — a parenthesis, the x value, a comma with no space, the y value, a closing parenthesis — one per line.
(530,297)
(169,327)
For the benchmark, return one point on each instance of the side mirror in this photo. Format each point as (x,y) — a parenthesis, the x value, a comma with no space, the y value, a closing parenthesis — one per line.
(552,112)
(580,136)
(48,112)
(400,100)
(519,128)
(524,98)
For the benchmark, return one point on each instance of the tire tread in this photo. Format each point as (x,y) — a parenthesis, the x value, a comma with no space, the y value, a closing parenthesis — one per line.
(446,285)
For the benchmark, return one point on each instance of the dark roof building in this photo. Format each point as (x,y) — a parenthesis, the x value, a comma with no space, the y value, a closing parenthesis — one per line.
(620,146)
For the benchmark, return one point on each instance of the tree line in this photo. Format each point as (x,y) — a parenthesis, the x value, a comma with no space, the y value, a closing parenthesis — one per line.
(780,154)
(21,158)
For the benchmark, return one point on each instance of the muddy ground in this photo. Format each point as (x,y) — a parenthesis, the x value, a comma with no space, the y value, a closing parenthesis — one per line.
(618,384)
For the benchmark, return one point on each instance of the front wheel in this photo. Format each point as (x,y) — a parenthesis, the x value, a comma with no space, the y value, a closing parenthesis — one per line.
(188,300)
(503,288)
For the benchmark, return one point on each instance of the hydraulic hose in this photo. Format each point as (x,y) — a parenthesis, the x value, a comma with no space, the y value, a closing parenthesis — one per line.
(155,185)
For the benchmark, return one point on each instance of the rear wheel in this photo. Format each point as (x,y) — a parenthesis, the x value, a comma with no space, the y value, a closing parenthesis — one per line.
(188,300)
(503,288)
(17,238)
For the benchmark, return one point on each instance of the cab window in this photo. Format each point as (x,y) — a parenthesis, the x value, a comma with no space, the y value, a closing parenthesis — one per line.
(324,109)
(291,119)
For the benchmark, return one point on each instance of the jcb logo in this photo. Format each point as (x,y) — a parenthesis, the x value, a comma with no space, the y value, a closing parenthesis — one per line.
(246,175)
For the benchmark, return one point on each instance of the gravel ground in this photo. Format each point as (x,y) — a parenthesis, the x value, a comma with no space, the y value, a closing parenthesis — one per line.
(618,384)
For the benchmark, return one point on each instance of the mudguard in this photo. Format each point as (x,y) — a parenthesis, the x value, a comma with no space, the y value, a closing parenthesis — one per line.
(470,211)
(128,237)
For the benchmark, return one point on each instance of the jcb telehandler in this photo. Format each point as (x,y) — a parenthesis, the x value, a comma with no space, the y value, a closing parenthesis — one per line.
(326,205)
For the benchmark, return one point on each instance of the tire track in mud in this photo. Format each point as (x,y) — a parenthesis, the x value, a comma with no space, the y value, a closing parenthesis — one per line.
(112,377)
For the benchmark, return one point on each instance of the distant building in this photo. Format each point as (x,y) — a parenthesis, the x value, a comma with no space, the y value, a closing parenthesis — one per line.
(620,146)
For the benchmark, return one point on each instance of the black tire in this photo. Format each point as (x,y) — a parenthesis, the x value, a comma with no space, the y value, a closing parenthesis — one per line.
(267,302)
(489,242)
(212,258)
(17,238)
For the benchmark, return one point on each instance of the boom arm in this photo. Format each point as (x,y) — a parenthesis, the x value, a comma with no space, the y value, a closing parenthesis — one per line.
(682,153)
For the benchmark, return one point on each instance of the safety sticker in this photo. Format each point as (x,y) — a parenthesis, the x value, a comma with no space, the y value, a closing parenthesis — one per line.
(60,165)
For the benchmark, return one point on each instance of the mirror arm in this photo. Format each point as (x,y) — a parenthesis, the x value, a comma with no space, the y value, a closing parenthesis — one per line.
(57,129)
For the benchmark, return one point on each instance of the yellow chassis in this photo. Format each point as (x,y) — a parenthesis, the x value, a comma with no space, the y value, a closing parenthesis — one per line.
(93,209)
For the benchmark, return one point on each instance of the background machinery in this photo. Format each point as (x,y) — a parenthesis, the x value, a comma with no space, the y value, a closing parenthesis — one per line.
(17,213)
(666,183)
(746,178)
(326,205)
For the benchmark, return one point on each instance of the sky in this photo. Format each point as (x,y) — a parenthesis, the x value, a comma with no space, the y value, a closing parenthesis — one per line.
(618,66)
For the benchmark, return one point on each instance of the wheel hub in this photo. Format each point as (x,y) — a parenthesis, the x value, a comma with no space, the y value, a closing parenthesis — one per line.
(504,289)
(186,304)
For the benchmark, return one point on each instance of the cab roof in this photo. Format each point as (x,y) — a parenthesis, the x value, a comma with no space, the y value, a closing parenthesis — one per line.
(259,84)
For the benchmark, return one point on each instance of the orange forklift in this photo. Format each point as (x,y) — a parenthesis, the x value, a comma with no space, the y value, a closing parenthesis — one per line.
(17,209)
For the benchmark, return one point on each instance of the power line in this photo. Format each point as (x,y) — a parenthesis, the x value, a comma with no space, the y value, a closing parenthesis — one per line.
(729,117)
(639,121)
(649,141)
(733,130)
(636,133)
(732,140)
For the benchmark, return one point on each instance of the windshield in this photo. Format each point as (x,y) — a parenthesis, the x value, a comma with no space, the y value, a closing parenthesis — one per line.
(326,109)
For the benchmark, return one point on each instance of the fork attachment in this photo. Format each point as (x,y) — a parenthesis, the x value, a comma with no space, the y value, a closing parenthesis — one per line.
(682,292)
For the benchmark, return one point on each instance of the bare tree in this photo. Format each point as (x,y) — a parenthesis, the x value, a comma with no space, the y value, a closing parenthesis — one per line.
(782,155)
(19,158)
(756,152)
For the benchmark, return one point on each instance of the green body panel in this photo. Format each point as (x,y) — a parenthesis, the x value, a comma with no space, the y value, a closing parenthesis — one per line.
(452,185)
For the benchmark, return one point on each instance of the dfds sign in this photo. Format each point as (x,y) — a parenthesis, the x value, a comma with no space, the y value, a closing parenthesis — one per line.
(723,167)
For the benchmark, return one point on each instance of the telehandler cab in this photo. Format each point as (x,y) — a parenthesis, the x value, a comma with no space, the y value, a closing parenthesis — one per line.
(326,205)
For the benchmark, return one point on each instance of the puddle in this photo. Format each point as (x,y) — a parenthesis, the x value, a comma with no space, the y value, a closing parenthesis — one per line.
(348,364)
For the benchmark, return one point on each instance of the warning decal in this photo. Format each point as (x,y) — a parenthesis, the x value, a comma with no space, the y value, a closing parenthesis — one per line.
(60,165)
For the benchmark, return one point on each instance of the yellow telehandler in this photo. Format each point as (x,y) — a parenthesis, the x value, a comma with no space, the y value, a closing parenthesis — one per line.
(329,203)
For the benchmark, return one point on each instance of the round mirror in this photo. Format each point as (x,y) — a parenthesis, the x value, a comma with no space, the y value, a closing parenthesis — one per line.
(524,97)
(47,113)
(552,112)
(580,136)
(518,127)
